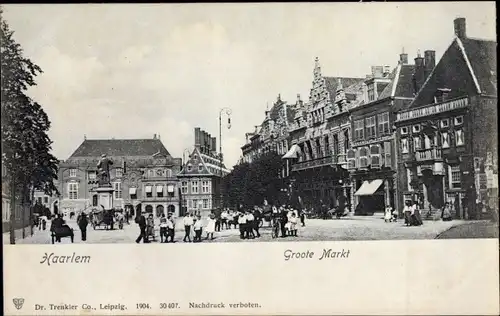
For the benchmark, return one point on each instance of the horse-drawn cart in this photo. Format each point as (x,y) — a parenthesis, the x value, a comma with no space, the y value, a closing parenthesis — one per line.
(102,218)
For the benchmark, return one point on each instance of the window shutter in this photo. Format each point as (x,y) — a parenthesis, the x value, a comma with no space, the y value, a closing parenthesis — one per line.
(387,155)
(363,157)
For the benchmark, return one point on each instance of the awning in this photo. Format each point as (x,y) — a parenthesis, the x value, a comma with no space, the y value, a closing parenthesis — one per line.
(159,188)
(170,188)
(132,191)
(369,187)
(149,189)
(292,153)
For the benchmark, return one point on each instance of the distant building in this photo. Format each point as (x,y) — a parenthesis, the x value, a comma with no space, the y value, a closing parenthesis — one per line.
(143,176)
(272,135)
(448,141)
(370,159)
(200,177)
(320,137)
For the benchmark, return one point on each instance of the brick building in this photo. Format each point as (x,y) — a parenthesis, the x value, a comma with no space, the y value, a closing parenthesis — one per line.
(320,137)
(200,177)
(370,159)
(143,176)
(448,135)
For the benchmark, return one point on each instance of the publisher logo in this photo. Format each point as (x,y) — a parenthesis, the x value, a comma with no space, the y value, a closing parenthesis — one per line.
(18,302)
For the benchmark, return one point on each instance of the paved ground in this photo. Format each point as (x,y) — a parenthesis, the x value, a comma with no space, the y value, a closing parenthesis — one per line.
(354,228)
(479,229)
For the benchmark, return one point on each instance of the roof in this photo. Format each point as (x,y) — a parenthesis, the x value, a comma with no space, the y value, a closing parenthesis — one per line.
(120,147)
(203,165)
(401,85)
(331,84)
(482,57)
(467,67)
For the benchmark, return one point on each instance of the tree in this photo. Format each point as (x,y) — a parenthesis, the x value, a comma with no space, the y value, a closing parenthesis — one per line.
(25,144)
(249,184)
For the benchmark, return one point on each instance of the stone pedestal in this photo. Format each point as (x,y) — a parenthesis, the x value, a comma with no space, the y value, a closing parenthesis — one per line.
(105,197)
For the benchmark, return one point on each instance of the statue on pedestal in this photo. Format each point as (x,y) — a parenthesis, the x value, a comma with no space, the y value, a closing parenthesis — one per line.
(103,170)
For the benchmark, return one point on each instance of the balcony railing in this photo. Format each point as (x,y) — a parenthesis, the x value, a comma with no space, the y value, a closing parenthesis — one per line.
(433,109)
(428,154)
(318,162)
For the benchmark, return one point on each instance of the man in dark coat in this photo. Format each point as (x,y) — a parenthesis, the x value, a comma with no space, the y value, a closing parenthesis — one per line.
(83,223)
(256,223)
(141,221)
(57,223)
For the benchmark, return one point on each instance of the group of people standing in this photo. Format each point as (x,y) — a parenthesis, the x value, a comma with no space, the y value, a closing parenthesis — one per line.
(287,219)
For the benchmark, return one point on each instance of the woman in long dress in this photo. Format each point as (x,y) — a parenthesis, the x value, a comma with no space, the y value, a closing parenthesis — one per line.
(210,229)
(416,220)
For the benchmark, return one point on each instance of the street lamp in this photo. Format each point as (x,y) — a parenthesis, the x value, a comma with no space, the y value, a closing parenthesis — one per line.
(228,112)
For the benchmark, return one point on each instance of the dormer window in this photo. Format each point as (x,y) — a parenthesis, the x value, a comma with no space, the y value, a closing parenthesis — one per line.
(189,167)
(371,92)
(441,95)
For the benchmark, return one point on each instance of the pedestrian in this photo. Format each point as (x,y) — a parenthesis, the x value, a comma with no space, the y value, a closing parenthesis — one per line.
(283,221)
(83,223)
(388,214)
(57,224)
(223,219)
(163,228)
(394,214)
(141,221)
(302,214)
(170,228)
(197,229)
(242,224)
(211,226)
(44,223)
(445,212)
(293,225)
(416,220)
(407,212)
(188,222)
(250,225)
(230,220)
(256,225)
(217,219)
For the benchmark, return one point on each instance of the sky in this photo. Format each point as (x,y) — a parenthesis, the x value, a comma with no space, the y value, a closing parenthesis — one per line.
(135,70)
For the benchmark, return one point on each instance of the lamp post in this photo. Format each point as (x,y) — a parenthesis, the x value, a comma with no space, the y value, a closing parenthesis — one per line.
(228,112)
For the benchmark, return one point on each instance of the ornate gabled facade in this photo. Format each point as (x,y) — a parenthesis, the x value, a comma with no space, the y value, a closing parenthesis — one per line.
(320,137)
(200,177)
(143,176)
(370,158)
(448,135)
(272,134)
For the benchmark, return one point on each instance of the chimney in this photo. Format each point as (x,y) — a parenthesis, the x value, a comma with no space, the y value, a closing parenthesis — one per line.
(209,143)
(197,135)
(214,144)
(377,71)
(203,141)
(460,28)
(387,70)
(419,74)
(430,62)
(403,58)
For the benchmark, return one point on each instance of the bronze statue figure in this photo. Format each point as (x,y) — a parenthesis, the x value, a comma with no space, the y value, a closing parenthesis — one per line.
(103,170)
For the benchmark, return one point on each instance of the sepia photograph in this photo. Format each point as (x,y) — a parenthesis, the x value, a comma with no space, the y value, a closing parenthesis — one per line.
(227,158)
(164,132)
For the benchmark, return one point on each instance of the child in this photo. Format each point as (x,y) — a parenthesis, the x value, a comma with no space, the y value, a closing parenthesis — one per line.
(210,228)
(388,214)
(293,225)
(163,228)
(197,229)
